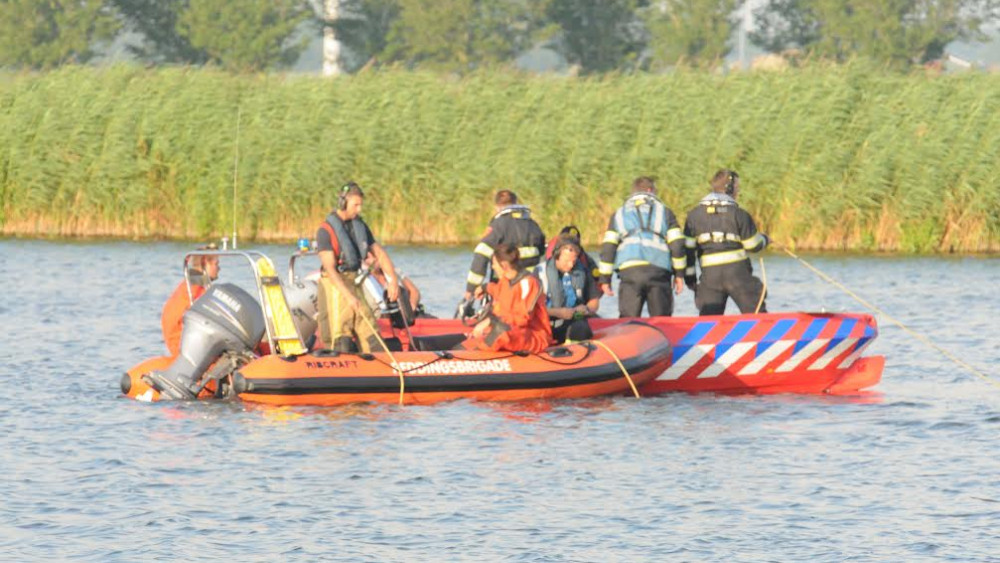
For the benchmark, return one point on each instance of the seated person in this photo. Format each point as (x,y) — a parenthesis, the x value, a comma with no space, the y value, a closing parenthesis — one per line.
(518,321)
(573,233)
(408,292)
(202,271)
(570,291)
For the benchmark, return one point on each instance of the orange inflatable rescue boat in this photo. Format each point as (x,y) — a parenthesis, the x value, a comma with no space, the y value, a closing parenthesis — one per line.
(226,329)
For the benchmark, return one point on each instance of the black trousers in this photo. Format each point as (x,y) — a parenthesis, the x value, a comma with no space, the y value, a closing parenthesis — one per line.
(736,280)
(645,285)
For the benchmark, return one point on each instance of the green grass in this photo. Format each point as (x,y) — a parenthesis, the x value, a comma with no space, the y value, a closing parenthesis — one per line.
(845,157)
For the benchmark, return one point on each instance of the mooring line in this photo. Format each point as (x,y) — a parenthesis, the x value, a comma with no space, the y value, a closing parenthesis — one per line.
(888,317)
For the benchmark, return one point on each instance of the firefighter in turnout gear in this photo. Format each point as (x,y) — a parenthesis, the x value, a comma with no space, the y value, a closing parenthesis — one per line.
(344,241)
(719,235)
(645,245)
(512,224)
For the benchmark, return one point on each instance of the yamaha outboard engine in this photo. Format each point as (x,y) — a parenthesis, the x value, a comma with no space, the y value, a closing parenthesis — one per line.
(225,319)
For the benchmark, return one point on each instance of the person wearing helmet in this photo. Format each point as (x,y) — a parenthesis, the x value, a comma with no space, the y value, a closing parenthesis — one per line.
(719,235)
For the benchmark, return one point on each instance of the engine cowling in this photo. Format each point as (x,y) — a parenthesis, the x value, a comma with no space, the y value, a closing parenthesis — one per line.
(225,319)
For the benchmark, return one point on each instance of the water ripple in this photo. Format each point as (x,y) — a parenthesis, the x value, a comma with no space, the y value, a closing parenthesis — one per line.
(906,473)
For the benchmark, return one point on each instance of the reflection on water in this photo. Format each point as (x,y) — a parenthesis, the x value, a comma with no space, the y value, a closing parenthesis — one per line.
(905,472)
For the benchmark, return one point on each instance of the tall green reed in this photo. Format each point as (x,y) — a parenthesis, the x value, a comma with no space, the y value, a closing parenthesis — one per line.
(832,157)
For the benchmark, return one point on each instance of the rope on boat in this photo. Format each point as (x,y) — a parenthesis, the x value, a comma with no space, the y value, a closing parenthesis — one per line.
(905,328)
(763,289)
(628,377)
(395,364)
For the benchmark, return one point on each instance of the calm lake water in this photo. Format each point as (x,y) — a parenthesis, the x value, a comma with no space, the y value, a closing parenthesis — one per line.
(907,473)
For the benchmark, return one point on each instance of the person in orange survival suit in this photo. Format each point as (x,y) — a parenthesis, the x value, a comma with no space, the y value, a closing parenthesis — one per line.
(518,321)
(202,271)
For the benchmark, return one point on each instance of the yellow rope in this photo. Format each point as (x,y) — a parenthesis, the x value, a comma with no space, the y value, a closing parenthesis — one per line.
(628,377)
(395,364)
(905,328)
(763,289)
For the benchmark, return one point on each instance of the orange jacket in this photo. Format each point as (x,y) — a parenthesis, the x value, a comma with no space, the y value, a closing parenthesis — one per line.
(171,320)
(521,305)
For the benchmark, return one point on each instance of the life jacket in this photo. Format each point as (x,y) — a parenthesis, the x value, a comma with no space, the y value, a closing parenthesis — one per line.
(352,252)
(552,287)
(642,226)
(517,304)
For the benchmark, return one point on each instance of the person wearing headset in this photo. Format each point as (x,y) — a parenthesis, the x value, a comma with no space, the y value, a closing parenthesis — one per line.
(344,241)
(719,234)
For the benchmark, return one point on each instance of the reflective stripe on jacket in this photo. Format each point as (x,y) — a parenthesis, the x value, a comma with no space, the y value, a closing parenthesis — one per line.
(642,231)
(719,231)
(512,225)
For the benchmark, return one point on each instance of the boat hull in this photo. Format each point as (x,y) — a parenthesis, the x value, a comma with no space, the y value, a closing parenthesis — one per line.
(755,354)
(567,372)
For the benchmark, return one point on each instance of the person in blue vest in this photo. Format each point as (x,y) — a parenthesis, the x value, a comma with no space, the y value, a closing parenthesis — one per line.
(343,241)
(645,245)
(570,290)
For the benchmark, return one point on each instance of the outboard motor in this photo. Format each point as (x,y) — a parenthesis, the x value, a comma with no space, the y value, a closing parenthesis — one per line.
(224,319)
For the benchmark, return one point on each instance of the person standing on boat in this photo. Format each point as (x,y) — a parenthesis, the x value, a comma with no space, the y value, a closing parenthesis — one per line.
(202,271)
(344,240)
(512,224)
(645,245)
(518,321)
(570,291)
(719,234)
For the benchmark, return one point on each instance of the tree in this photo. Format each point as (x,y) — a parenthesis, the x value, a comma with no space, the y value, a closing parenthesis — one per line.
(248,35)
(694,32)
(156,21)
(460,35)
(363,27)
(899,32)
(45,33)
(598,35)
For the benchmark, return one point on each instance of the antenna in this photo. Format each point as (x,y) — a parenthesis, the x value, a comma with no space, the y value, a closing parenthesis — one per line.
(236,163)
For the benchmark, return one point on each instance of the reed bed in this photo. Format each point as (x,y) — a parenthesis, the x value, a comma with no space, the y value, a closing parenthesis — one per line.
(832,157)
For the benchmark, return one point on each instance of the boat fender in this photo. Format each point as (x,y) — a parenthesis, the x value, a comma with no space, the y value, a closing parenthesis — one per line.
(126,384)
(240,384)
